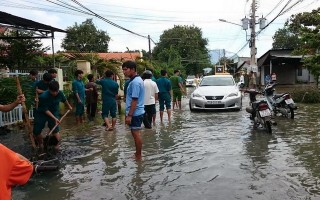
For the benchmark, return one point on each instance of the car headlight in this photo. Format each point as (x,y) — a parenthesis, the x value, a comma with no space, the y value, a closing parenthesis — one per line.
(234,94)
(196,95)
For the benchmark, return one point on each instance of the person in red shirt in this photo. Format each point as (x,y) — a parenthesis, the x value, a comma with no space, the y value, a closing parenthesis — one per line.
(14,168)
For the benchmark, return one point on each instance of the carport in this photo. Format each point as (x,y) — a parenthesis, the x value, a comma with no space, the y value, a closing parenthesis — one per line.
(16,23)
(281,62)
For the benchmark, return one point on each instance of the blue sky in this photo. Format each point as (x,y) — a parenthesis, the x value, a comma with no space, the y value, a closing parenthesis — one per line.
(147,17)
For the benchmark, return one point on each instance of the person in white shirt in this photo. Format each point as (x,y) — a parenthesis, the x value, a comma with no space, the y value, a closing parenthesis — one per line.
(241,78)
(150,97)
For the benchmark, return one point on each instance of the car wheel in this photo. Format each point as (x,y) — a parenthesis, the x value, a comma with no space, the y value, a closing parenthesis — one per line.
(190,107)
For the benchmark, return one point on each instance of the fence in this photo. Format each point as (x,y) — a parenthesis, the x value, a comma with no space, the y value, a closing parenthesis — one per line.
(14,116)
(13,73)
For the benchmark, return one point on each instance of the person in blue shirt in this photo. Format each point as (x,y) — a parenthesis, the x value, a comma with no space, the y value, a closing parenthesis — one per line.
(109,94)
(134,104)
(48,111)
(164,86)
(79,95)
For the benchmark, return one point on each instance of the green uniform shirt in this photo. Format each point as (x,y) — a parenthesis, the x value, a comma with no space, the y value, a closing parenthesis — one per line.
(49,102)
(175,80)
(110,89)
(42,85)
(78,87)
(164,85)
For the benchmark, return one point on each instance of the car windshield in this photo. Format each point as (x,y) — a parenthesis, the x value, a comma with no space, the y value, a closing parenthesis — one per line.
(217,81)
(190,77)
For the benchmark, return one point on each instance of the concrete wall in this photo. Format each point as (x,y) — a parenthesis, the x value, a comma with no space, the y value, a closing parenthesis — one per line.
(84,66)
(305,77)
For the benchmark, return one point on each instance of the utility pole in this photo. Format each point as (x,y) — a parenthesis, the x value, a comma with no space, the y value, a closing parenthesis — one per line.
(253,37)
(149,40)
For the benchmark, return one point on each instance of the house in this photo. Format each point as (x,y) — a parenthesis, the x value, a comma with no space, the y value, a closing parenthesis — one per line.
(288,68)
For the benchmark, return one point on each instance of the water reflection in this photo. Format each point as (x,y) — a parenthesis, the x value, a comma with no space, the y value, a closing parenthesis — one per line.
(201,155)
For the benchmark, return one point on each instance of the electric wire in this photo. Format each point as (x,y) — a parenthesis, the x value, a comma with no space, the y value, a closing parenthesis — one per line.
(276,6)
(108,21)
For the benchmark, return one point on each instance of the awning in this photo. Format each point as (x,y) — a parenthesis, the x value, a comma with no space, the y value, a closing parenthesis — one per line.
(19,23)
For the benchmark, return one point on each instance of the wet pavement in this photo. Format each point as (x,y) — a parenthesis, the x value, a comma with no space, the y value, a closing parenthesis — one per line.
(200,155)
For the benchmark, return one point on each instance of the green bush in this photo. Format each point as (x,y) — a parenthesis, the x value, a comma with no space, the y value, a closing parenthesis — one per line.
(9,90)
(306,95)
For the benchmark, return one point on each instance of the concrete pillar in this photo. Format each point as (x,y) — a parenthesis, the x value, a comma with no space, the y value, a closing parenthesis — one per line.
(84,66)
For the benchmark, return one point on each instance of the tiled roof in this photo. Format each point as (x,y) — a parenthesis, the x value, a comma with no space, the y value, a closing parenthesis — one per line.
(120,56)
(3,29)
(113,56)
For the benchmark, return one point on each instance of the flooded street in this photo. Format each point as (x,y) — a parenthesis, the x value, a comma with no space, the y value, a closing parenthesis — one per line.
(200,155)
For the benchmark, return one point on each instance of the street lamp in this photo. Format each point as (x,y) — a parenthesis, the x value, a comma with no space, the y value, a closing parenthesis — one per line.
(223,20)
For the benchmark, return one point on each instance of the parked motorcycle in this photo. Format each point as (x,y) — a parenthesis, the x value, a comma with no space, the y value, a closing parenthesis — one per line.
(279,103)
(259,111)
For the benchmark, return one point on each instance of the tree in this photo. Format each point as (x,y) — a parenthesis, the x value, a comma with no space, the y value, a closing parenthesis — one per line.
(85,38)
(183,47)
(20,53)
(285,39)
(307,26)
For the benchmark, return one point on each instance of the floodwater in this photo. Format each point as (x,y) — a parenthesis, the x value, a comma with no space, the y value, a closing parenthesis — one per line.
(200,155)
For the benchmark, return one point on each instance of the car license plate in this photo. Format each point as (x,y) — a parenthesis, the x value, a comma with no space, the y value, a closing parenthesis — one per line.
(214,102)
(265,113)
(289,101)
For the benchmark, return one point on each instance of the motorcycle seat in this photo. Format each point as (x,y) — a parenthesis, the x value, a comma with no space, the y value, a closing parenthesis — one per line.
(277,95)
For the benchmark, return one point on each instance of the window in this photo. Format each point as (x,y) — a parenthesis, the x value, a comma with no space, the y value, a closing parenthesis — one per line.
(300,71)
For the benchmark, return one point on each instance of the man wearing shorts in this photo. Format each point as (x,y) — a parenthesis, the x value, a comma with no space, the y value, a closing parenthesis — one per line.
(79,94)
(177,88)
(109,95)
(48,111)
(164,87)
(134,104)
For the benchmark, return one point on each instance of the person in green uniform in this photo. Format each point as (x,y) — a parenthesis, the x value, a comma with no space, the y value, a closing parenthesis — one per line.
(33,77)
(53,72)
(42,85)
(48,111)
(109,94)
(177,88)
(79,96)
(164,86)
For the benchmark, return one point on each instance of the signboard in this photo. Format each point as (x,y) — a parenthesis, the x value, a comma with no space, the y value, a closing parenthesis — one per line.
(219,69)
(254,68)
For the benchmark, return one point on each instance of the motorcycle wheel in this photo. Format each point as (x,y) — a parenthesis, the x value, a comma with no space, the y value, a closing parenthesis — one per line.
(268,126)
(290,112)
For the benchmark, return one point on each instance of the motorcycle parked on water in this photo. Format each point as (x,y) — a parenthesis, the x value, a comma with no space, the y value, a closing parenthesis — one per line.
(259,111)
(279,103)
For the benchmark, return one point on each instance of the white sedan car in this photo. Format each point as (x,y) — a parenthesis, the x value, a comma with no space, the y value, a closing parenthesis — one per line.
(216,92)
(190,81)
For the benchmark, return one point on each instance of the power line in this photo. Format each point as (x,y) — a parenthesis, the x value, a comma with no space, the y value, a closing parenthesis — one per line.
(151,19)
(276,6)
(100,17)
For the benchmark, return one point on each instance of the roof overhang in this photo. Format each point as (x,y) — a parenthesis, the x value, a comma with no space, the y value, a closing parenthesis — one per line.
(19,23)
(278,54)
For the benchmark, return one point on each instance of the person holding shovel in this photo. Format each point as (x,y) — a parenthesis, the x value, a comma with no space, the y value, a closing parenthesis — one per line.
(48,111)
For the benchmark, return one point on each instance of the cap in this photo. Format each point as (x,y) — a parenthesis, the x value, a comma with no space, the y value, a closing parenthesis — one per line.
(147,72)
